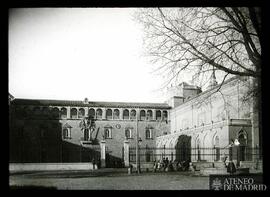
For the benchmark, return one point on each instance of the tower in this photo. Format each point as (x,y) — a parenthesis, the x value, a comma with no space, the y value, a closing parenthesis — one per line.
(213,81)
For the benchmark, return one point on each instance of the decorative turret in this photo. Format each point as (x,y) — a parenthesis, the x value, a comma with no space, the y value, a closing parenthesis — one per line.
(213,81)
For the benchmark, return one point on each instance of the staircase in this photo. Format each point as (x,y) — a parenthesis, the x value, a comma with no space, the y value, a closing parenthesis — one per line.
(207,168)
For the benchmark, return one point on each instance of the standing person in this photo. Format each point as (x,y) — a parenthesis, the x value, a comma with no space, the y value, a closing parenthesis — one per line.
(94,163)
(155,166)
(158,165)
(231,168)
(170,166)
(166,163)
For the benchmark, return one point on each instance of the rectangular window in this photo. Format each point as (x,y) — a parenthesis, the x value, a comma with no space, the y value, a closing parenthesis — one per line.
(128,133)
(148,133)
(67,133)
(43,132)
(108,133)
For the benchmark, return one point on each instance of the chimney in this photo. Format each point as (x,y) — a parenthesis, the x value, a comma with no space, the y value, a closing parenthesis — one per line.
(85,101)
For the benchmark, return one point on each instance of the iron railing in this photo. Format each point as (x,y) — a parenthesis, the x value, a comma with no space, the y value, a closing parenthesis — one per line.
(239,153)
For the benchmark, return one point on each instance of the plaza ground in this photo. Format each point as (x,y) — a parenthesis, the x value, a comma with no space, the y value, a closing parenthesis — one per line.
(109,179)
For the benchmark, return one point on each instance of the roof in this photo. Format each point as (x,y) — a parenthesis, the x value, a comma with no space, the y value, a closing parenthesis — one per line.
(234,78)
(188,86)
(40,102)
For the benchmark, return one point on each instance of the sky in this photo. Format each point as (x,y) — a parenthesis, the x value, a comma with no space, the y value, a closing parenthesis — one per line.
(77,53)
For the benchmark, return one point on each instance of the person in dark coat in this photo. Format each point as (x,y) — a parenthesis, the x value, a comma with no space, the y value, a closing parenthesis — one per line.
(166,163)
(94,163)
(231,168)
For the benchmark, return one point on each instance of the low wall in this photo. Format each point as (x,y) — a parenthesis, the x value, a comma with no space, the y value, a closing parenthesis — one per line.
(17,167)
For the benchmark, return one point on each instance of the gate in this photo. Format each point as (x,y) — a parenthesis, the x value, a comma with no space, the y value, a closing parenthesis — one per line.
(90,154)
(113,161)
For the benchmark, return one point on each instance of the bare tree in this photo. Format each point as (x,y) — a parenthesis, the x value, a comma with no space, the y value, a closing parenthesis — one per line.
(198,40)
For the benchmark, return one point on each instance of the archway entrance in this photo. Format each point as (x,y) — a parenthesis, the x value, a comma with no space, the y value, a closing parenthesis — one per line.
(183,148)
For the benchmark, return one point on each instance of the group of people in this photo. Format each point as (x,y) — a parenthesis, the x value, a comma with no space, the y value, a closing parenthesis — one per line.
(168,166)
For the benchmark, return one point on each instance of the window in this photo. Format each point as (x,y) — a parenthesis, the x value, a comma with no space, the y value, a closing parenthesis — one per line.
(116,114)
(63,112)
(108,114)
(148,133)
(149,115)
(133,114)
(108,132)
(25,112)
(67,133)
(55,112)
(36,111)
(45,111)
(81,113)
(73,113)
(92,113)
(142,115)
(128,133)
(126,114)
(158,115)
(99,114)
(165,115)
(43,131)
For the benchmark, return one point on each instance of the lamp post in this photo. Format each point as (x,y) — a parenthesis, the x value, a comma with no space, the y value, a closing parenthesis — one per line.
(139,162)
(138,142)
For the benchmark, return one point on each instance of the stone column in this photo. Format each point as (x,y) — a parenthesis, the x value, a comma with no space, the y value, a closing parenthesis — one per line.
(154,114)
(126,153)
(103,153)
(68,112)
(121,113)
(103,113)
(86,111)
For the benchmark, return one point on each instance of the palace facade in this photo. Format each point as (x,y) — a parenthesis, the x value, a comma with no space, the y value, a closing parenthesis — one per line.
(48,130)
(191,125)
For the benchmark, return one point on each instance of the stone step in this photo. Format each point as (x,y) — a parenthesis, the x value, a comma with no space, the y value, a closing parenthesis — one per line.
(208,171)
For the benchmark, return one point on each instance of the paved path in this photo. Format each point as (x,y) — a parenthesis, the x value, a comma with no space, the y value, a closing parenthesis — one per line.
(108,179)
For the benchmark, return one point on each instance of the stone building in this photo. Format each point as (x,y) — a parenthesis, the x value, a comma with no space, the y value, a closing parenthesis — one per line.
(204,124)
(48,130)
(192,125)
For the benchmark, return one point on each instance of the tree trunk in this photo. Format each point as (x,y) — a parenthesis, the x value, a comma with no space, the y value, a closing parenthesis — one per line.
(256,115)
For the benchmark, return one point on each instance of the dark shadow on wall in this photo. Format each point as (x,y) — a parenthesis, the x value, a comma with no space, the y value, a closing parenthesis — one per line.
(114,162)
(38,139)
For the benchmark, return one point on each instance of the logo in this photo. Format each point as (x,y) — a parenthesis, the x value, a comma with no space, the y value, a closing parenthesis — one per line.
(249,182)
(216,184)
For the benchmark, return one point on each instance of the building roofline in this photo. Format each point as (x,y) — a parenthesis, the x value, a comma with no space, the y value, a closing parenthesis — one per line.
(47,102)
(209,90)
